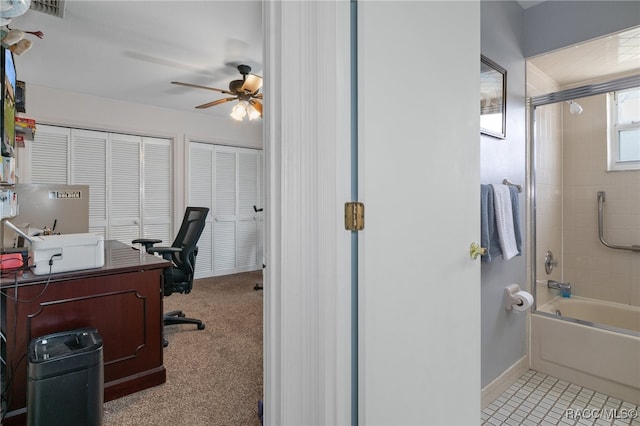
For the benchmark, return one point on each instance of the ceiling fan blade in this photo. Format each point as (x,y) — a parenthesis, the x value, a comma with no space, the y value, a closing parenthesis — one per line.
(252,83)
(214,103)
(197,86)
(257,105)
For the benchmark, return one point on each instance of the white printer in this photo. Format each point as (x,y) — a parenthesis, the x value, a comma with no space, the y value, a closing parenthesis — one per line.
(67,252)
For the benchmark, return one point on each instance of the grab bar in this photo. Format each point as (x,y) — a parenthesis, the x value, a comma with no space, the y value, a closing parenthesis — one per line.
(633,247)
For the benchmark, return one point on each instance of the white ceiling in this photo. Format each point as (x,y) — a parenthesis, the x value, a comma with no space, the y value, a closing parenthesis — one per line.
(131,50)
(613,55)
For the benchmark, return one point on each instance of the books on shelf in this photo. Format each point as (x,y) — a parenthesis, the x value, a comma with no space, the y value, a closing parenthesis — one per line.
(8,203)
(25,122)
(8,171)
(25,127)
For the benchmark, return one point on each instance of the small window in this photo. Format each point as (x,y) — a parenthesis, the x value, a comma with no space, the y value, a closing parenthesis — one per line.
(624,129)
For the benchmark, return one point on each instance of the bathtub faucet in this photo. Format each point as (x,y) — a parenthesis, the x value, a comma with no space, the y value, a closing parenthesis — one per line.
(565,288)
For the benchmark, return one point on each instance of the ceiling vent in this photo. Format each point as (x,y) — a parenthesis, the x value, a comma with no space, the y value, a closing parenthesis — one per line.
(50,7)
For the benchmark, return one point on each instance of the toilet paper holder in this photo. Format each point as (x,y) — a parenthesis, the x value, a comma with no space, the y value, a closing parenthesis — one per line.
(509,297)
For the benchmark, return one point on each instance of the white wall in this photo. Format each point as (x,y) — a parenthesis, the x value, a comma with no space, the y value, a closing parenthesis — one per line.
(52,106)
(504,334)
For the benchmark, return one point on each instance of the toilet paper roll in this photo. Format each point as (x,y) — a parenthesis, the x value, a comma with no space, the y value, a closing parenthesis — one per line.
(525,301)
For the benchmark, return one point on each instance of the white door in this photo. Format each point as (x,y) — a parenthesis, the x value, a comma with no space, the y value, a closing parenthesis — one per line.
(224,212)
(124,187)
(88,166)
(419,290)
(228,181)
(201,158)
(49,156)
(157,197)
(236,242)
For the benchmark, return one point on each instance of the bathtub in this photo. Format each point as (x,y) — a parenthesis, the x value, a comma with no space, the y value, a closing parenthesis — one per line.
(591,343)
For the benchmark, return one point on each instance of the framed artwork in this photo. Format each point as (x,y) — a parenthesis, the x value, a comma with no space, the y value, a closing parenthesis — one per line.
(493,98)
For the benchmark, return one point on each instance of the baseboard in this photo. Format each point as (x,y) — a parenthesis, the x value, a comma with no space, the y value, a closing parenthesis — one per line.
(504,381)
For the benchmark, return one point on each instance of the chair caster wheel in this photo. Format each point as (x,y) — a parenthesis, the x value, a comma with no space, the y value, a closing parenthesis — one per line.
(200,326)
(165,343)
(181,315)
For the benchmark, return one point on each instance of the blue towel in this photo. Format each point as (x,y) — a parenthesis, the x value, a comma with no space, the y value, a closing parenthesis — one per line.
(515,208)
(489,238)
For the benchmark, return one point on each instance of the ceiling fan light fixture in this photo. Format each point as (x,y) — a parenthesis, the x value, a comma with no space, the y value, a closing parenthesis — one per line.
(245,91)
(252,112)
(239,111)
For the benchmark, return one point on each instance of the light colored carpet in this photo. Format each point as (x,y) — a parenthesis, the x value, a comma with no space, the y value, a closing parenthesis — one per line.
(214,376)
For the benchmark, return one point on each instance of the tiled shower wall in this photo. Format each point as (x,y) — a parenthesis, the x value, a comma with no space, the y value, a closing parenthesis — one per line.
(594,270)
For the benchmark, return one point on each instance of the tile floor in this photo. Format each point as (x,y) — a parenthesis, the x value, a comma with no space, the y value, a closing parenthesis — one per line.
(539,399)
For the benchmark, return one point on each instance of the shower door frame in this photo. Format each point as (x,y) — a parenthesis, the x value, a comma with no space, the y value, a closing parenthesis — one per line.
(532,104)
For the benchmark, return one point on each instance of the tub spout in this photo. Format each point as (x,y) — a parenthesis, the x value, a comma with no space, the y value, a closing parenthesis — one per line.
(565,288)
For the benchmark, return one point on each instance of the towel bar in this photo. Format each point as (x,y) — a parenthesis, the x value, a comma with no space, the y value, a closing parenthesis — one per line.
(507,182)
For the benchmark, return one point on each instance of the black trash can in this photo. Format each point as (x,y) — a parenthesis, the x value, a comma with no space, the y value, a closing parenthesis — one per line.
(65,379)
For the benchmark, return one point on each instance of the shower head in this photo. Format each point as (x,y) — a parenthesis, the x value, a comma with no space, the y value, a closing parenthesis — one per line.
(574,108)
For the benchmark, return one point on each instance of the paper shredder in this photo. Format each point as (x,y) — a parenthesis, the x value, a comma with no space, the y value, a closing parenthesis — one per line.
(65,378)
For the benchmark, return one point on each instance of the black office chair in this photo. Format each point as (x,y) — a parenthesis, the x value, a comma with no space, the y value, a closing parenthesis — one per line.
(183,252)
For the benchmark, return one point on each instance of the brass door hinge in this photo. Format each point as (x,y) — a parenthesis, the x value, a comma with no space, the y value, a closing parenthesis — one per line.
(353,216)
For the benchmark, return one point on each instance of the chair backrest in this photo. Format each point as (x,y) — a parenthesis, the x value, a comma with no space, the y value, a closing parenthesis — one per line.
(192,226)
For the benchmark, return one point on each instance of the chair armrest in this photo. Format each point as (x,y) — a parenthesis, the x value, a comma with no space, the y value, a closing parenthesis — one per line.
(165,252)
(146,242)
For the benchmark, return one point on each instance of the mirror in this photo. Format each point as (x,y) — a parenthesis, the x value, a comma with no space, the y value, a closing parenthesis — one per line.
(493,94)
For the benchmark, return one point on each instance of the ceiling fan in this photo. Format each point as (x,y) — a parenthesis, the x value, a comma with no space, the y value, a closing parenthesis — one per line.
(246,91)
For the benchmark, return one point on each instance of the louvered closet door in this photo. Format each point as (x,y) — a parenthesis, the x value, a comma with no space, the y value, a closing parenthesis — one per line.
(224,216)
(201,195)
(228,180)
(50,155)
(120,191)
(124,187)
(157,199)
(247,240)
(237,242)
(89,167)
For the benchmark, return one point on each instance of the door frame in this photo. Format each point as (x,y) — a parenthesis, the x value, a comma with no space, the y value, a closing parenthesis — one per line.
(307,279)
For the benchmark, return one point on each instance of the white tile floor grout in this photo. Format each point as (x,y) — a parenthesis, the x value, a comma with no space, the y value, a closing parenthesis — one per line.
(538,399)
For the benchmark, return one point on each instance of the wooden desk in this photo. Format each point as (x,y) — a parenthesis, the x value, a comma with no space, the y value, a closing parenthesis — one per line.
(122,300)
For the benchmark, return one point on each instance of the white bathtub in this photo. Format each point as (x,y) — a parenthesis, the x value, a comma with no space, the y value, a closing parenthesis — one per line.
(592,344)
